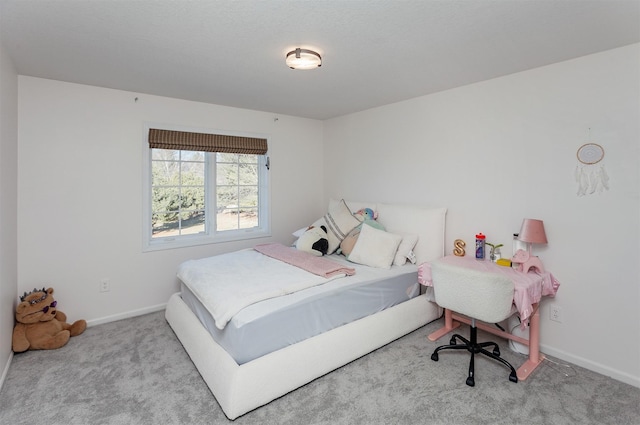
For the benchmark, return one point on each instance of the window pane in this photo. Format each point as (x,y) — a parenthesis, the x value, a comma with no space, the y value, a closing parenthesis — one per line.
(248,174)
(248,159)
(248,218)
(165,199)
(248,196)
(191,222)
(193,198)
(227,197)
(227,220)
(192,174)
(226,157)
(165,172)
(165,154)
(164,225)
(156,223)
(178,192)
(226,174)
(192,156)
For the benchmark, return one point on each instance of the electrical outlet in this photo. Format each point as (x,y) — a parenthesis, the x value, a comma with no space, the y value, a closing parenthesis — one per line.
(555,313)
(105,285)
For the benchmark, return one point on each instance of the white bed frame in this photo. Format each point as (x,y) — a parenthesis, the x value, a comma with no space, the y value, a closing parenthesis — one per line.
(242,388)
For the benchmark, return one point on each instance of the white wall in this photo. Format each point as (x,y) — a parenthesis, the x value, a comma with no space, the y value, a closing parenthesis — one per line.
(502,150)
(80,170)
(8,202)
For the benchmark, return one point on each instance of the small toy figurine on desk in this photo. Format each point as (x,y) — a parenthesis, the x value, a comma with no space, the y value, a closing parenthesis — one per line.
(527,261)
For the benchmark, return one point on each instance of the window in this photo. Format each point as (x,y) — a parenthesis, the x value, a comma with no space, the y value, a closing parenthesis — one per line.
(202,188)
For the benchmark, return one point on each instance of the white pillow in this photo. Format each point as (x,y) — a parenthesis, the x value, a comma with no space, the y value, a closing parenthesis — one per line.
(427,222)
(299,232)
(339,222)
(375,248)
(405,250)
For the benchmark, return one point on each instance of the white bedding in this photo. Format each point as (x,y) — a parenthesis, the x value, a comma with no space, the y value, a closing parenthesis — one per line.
(225,285)
(275,323)
(363,275)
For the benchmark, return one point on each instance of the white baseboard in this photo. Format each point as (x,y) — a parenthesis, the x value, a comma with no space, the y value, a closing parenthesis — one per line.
(5,371)
(126,315)
(588,364)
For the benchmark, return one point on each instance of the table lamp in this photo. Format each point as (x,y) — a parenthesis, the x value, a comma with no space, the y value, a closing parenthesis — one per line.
(532,231)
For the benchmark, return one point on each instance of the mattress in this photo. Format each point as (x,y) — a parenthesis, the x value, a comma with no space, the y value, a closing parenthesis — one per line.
(272,324)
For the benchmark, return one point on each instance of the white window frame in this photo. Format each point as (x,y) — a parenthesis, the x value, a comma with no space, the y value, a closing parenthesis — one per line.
(211,235)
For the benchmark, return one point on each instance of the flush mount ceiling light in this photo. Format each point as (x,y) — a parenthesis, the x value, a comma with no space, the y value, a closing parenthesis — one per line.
(303,59)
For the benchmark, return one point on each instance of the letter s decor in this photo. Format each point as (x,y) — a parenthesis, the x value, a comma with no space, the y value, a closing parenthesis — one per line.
(459,245)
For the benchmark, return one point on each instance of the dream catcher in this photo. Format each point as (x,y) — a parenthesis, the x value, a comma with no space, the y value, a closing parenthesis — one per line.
(590,173)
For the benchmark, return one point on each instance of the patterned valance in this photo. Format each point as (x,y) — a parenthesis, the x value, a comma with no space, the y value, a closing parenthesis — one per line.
(184,140)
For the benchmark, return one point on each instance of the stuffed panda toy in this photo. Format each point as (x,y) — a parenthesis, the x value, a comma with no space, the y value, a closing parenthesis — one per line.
(314,241)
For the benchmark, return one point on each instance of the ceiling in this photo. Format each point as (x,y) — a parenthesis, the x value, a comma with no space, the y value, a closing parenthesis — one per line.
(375,52)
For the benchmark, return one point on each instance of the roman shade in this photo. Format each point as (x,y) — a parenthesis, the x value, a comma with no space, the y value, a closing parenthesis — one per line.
(184,140)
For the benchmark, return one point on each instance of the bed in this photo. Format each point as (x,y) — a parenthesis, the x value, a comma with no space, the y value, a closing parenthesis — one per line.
(382,304)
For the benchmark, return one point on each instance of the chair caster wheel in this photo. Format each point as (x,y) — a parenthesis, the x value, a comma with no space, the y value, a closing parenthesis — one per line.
(471,382)
(513,378)
(434,357)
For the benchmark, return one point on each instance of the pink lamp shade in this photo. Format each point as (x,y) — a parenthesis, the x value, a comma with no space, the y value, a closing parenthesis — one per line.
(532,231)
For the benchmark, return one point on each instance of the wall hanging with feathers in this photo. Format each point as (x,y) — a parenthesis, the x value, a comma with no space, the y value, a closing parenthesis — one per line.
(591,175)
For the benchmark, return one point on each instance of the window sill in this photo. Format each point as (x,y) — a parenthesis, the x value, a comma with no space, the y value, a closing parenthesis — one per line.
(197,240)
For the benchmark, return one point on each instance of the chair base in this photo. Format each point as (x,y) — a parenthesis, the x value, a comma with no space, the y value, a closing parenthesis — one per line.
(474,348)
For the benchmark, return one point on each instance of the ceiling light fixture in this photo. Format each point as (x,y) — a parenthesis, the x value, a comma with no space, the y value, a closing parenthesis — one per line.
(303,59)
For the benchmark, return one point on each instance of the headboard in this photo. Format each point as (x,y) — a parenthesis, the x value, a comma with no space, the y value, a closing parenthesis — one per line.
(426,222)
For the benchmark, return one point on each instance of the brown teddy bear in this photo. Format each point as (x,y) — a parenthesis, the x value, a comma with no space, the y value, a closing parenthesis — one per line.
(40,326)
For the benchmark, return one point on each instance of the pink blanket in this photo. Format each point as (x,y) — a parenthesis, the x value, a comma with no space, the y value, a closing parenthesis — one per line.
(309,262)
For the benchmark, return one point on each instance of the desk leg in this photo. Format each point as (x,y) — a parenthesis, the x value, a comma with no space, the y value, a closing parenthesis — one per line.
(535,356)
(449,325)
